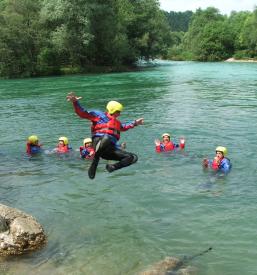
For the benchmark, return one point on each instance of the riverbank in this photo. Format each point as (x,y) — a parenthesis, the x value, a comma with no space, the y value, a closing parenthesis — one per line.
(71,70)
(232,59)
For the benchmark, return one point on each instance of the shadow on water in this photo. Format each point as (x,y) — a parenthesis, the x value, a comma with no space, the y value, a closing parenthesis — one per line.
(214,184)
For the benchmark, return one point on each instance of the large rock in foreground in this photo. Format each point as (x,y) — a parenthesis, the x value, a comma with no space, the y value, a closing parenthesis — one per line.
(19,232)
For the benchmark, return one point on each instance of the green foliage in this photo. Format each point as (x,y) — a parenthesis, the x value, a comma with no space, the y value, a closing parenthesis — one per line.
(179,21)
(178,53)
(108,23)
(249,34)
(41,37)
(208,37)
(67,26)
(148,33)
(235,25)
(45,37)
(20,37)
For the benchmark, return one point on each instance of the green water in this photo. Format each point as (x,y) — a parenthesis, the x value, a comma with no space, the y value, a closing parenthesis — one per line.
(164,205)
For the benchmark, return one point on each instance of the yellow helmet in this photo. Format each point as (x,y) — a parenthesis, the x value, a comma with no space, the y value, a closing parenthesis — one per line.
(32,139)
(222,149)
(64,139)
(87,140)
(114,106)
(166,134)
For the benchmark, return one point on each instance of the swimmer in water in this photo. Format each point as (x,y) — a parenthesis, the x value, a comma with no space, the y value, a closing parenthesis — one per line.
(87,151)
(220,162)
(33,146)
(167,145)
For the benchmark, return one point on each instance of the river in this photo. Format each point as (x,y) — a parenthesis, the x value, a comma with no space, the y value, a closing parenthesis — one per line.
(165,204)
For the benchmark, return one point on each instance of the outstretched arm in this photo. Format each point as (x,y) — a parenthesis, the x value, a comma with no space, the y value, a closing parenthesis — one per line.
(130,125)
(139,121)
(80,111)
(72,97)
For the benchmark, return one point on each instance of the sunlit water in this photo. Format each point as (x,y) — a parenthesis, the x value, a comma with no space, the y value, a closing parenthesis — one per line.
(164,205)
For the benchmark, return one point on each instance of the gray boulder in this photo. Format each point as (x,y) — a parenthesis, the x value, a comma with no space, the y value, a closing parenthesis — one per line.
(3,225)
(19,232)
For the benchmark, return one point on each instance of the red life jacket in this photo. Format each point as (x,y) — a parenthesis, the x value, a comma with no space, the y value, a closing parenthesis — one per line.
(62,149)
(167,147)
(216,164)
(112,127)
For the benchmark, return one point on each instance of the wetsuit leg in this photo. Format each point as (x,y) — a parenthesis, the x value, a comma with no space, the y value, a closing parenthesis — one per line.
(100,144)
(125,158)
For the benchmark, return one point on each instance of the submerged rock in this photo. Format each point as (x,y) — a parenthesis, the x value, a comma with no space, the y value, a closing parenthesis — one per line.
(19,232)
(170,265)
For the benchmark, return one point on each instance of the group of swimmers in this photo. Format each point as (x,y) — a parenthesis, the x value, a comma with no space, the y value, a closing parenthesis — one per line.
(219,163)
(86,151)
(105,131)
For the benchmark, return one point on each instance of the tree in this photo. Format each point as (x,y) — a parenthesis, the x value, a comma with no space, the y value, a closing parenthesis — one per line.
(108,25)
(249,34)
(208,37)
(67,26)
(179,21)
(19,37)
(236,22)
(148,33)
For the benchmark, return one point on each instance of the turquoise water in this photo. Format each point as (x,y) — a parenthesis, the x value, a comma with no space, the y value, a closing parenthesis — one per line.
(164,205)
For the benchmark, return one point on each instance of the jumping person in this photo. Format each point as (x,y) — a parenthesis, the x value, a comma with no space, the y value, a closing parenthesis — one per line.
(105,130)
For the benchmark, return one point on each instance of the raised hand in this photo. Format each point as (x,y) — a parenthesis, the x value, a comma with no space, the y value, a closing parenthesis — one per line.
(157,142)
(182,140)
(72,97)
(139,121)
(205,163)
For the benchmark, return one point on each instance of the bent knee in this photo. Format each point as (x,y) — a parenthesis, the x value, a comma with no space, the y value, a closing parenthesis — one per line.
(134,158)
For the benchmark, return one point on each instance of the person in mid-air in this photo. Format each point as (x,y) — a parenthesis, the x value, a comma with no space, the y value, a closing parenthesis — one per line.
(220,162)
(87,151)
(105,130)
(167,145)
(33,147)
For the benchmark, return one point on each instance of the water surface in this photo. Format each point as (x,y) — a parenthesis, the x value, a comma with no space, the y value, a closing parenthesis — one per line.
(164,205)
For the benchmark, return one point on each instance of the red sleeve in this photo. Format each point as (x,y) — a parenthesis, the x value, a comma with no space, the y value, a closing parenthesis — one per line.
(182,146)
(158,148)
(127,126)
(81,112)
(28,151)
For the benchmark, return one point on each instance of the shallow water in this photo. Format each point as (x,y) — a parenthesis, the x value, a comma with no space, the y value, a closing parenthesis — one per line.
(164,205)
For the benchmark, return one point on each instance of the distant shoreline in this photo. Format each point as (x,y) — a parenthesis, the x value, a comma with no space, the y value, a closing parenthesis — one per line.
(232,59)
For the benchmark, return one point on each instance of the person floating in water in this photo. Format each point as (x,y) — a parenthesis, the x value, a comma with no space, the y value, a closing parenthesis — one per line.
(167,145)
(33,146)
(87,151)
(105,131)
(62,146)
(220,162)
